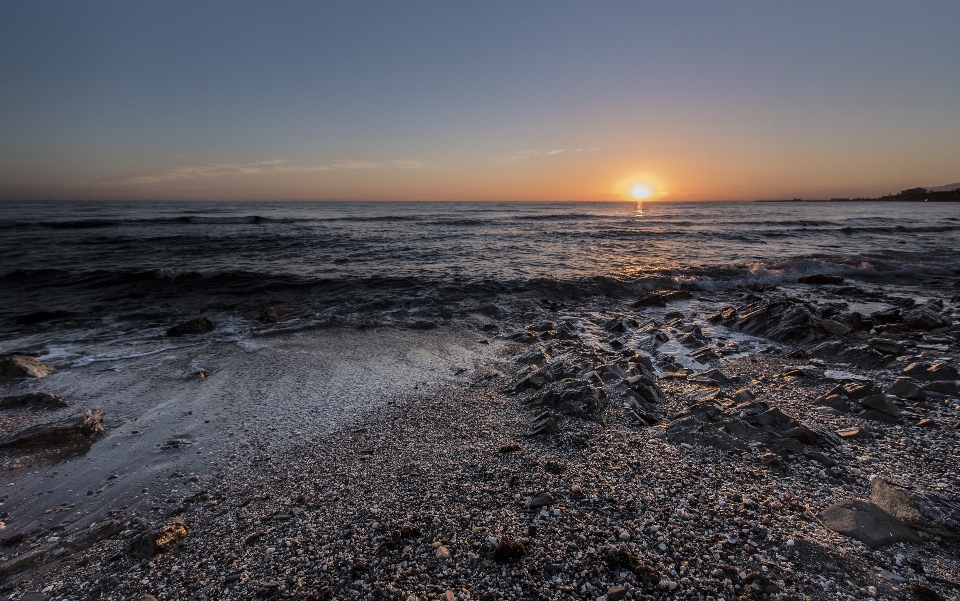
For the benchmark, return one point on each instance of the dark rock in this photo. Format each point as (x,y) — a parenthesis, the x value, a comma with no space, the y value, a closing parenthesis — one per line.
(882,403)
(21,366)
(508,550)
(545,426)
(717,376)
(41,400)
(948,387)
(860,390)
(867,523)
(199,325)
(923,592)
(905,389)
(924,318)
(942,371)
(534,381)
(275,313)
(921,508)
(820,279)
(159,540)
(887,316)
(542,500)
(35,597)
(852,433)
(835,327)
(82,425)
(878,416)
(780,319)
(890,347)
(650,300)
(853,320)
(571,397)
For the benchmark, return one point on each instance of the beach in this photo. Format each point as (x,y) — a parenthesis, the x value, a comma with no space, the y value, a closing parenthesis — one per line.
(608,448)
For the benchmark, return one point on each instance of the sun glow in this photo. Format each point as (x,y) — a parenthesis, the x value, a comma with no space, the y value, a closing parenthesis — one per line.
(640,188)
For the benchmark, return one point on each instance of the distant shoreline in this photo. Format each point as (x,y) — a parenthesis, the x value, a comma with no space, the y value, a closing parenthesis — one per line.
(911,195)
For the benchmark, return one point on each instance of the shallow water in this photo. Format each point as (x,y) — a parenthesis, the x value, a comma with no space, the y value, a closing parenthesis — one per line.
(119,273)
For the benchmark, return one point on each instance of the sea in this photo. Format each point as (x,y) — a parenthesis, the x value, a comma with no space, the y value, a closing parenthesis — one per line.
(82,282)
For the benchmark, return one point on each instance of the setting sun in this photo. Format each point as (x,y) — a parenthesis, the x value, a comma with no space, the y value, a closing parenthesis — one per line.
(640,188)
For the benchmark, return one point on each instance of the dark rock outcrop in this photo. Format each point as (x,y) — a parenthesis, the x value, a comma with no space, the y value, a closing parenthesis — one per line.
(22,366)
(200,325)
(867,523)
(57,430)
(921,508)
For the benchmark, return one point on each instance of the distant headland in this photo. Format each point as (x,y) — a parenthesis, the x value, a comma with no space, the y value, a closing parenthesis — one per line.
(948,193)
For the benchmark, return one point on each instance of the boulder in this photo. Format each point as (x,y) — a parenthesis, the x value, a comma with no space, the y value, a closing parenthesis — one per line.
(780,319)
(921,508)
(835,327)
(924,318)
(867,523)
(884,345)
(199,325)
(650,300)
(905,389)
(78,426)
(948,387)
(21,366)
(881,403)
(39,400)
(887,316)
(928,373)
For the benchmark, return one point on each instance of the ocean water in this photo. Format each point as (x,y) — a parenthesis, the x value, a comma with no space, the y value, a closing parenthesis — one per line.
(84,282)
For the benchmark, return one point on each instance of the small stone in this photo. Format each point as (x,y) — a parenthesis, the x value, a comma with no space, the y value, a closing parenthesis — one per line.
(616,593)
(624,536)
(443,553)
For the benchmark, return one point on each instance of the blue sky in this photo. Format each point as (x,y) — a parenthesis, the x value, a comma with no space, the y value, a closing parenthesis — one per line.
(478,100)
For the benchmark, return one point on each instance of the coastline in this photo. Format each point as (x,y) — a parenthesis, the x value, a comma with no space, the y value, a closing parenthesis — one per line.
(418,498)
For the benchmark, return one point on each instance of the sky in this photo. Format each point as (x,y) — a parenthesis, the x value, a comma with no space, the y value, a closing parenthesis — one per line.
(456,100)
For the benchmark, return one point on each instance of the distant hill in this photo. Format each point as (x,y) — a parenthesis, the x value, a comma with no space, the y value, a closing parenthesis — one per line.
(947,188)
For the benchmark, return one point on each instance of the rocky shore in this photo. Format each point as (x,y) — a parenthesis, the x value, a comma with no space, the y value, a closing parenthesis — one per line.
(797,443)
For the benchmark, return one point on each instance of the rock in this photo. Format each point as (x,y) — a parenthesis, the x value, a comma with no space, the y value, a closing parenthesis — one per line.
(923,592)
(882,403)
(542,500)
(508,550)
(717,376)
(79,426)
(921,508)
(924,318)
(21,366)
(780,319)
(942,371)
(820,279)
(534,381)
(927,423)
(159,540)
(890,347)
(948,387)
(905,389)
(650,300)
(887,316)
(152,598)
(199,325)
(835,327)
(275,313)
(616,593)
(928,373)
(41,400)
(851,433)
(867,523)
(862,356)
(35,597)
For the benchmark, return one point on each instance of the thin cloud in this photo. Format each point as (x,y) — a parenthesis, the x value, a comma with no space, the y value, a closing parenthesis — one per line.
(216,170)
(527,154)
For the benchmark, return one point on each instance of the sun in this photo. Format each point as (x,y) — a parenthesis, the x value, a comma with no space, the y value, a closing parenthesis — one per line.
(640,187)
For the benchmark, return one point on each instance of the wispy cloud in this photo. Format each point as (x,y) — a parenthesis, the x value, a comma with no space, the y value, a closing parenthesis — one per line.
(528,154)
(216,170)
